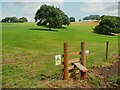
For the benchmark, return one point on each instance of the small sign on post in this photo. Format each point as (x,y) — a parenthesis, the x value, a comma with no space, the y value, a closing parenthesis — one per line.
(58,59)
(87,52)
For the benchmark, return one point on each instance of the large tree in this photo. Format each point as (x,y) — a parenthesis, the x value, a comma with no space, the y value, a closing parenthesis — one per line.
(50,16)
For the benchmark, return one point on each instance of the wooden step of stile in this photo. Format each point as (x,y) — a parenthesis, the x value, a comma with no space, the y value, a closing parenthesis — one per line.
(80,66)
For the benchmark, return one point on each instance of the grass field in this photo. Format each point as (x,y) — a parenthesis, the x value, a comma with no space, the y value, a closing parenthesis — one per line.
(28,51)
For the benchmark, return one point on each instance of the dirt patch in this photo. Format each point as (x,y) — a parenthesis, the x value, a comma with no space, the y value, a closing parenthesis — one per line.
(105,73)
(96,77)
(87,23)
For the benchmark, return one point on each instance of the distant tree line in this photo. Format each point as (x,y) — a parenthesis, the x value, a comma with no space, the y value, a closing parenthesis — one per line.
(51,17)
(72,19)
(14,19)
(92,17)
(108,25)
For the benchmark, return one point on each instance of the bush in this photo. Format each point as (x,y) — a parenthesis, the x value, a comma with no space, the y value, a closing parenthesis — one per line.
(108,25)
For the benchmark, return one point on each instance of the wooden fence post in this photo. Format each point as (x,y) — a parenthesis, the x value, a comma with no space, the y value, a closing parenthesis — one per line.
(107,50)
(83,55)
(83,59)
(66,73)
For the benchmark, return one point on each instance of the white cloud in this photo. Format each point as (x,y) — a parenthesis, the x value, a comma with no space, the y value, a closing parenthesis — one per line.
(101,0)
(0,11)
(109,8)
(92,7)
(32,1)
(60,1)
(28,9)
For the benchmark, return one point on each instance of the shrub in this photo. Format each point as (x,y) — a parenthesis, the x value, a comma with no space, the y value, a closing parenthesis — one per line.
(108,25)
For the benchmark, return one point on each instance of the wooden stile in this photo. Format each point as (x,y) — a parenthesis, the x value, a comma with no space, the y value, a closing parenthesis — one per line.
(83,59)
(75,62)
(83,55)
(71,67)
(77,71)
(81,67)
(65,76)
(83,75)
(74,53)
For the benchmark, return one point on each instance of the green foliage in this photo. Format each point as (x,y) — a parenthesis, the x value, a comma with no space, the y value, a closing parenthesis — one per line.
(50,16)
(65,19)
(96,82)
(115,79)
(80,20)
(23,19)
(14,19)
(108,25)
(92,17)
(118,81)
(102,16)
(10,19)
(72,19)
(86,18)
(98,17)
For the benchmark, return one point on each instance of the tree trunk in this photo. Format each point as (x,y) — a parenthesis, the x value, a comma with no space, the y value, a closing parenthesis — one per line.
(49,26)
(110,32)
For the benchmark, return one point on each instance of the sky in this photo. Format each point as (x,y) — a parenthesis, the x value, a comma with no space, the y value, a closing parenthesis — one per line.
(73,8)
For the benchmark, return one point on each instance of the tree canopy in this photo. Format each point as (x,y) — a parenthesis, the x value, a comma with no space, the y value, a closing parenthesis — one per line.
(92,17)
(72,19)
(86,18)
(51,16)
(23,19)
(14,19)
(108,25)
(79,20)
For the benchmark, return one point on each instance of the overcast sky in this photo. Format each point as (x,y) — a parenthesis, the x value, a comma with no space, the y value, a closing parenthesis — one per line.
(75,8)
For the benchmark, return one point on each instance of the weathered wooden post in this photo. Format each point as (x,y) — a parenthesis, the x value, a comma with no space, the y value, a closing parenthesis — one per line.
(83,59)
(66,73)
(107,50)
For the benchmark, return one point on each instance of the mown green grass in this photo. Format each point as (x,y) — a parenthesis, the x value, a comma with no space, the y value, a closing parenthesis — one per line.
(28,51)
